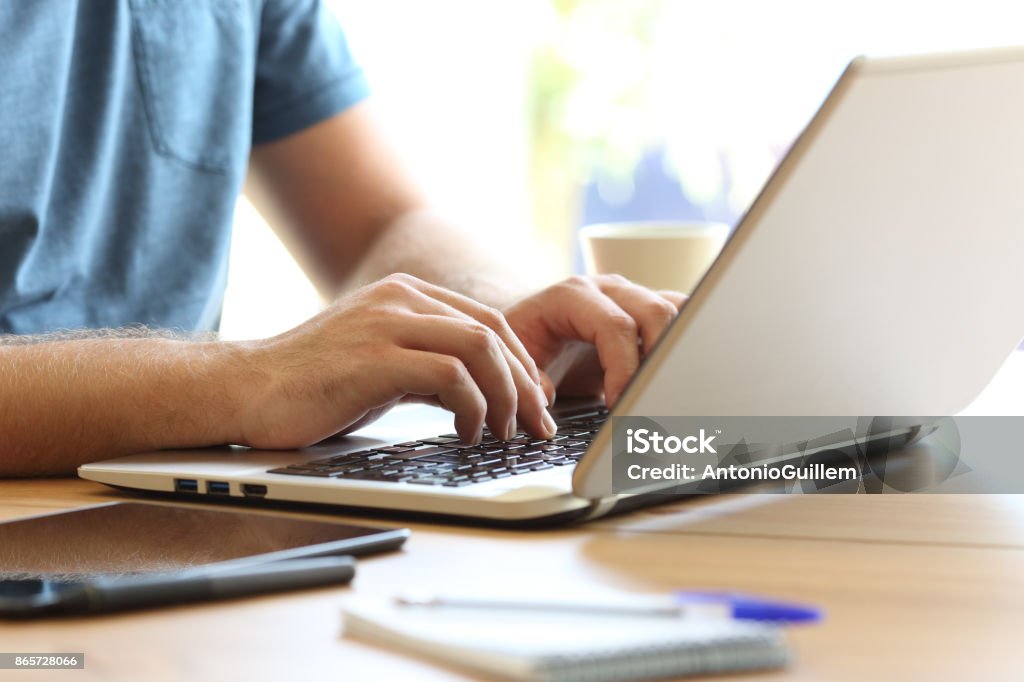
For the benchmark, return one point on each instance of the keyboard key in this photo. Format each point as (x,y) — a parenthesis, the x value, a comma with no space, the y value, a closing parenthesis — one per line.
(350,469)
(440,473)
(440,440)
(300,472)
(452,458)
(398,449)
(365,475)
(341,459)
(423,452)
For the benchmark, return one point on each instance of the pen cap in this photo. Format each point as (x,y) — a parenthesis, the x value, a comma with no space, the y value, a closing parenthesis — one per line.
(744,607)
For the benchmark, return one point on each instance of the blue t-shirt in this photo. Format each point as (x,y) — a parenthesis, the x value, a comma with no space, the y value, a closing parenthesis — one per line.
(125,130)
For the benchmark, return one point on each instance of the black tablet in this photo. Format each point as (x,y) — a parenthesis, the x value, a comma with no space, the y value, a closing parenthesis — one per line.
(123,538)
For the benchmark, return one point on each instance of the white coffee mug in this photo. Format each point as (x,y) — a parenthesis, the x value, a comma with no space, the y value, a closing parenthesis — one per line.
(659,255)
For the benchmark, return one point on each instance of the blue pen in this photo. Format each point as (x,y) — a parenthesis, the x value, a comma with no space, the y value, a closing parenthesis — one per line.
(679,605)
(746,607)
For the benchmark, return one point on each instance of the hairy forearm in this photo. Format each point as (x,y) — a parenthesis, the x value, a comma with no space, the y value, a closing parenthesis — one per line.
(427,245)
(65,401)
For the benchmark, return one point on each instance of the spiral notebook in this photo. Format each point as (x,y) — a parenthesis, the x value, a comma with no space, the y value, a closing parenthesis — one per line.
(556,647)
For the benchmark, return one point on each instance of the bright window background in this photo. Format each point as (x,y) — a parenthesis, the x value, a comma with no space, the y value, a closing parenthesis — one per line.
(525,118)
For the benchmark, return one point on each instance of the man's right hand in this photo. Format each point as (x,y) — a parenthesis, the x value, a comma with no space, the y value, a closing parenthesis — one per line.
(399,338)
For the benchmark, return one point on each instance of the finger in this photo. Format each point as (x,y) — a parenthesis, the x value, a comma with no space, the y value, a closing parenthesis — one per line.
(479,349)
(491,317)
(676,298)
(548,386)
(585,313)
(652,313)
(531,400)
(422,373)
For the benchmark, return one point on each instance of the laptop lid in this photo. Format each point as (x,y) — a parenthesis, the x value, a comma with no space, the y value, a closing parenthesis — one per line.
(880,270)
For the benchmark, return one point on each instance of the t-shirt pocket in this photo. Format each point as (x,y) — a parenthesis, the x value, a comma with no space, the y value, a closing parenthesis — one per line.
(194,60)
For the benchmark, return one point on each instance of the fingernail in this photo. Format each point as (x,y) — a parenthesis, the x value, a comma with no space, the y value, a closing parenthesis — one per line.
(549,424)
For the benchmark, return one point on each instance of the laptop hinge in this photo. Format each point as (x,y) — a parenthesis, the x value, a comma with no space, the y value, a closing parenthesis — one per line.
(599,508)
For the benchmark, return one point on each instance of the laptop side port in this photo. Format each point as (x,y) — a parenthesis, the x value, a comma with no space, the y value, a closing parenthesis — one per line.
(186,485)
(254,490)
(218,488)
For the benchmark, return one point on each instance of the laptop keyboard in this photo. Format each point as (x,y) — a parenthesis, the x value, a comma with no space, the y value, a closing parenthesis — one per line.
(446,461)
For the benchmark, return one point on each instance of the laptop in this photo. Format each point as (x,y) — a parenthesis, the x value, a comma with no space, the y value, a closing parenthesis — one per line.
(879,272)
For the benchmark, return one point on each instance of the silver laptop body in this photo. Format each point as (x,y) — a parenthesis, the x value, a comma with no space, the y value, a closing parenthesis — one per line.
(879,272)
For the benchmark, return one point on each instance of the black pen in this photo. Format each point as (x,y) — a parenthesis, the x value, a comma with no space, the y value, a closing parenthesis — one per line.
(103,595)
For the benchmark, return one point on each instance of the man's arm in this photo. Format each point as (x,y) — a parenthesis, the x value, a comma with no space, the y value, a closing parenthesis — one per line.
(65,401)
(68,399)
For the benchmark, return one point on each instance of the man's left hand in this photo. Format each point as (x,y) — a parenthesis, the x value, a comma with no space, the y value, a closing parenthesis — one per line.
(588,334)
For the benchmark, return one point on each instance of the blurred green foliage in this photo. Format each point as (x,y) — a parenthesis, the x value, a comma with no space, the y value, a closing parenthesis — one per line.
(590,79)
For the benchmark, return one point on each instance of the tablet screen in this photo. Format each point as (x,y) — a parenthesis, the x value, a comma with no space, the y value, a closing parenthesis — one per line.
(129,537)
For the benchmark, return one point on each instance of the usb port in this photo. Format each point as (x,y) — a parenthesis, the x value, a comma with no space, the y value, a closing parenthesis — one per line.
(254,490)
(186,485)
(218,488)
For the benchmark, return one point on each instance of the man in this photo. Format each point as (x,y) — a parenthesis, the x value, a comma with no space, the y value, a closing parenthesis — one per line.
(128,129)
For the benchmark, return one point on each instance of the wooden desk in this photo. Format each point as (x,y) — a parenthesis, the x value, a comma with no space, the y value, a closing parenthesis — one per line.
(915,587)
